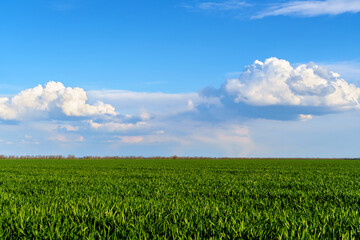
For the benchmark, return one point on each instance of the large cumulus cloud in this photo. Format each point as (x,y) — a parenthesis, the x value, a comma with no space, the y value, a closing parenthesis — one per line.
(276,89)
(276,82)
(54,96)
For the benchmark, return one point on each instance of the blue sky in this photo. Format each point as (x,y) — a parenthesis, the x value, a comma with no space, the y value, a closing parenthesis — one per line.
(170,77)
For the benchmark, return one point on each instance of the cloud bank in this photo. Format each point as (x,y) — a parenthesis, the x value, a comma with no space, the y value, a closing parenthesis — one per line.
(264,88)
(224,121)
(311,8)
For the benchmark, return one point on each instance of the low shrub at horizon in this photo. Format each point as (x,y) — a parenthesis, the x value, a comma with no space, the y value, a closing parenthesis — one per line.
(180,199)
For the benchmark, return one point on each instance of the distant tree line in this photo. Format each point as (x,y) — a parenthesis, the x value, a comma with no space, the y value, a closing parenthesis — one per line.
(141,157)
(97,157)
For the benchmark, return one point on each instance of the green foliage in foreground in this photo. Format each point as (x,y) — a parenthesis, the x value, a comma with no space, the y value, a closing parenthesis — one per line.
(180,199)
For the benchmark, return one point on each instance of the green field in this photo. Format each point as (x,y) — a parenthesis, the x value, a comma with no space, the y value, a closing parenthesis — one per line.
(180,199)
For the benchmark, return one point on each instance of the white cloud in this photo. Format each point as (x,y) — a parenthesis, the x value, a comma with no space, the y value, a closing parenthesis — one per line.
(59,138)
(145,116)
(222,6)
(41,100)
(305,117)
(276,82)
(116,126)
(70,128)
(312,8)
(27,136)
(131,139)
(66,139)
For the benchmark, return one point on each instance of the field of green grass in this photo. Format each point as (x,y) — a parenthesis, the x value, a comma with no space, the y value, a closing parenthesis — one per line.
(180,199)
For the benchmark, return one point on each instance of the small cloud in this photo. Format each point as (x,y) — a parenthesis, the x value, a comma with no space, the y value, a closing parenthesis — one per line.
(131,139)
(191,105)
(58,138)
(235,8)
(70,128)
(116,126)
(305,117)
(65,139)
(145,116)
(2,141)
(222,6)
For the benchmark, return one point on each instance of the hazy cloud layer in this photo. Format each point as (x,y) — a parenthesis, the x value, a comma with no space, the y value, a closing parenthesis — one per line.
(151,103)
